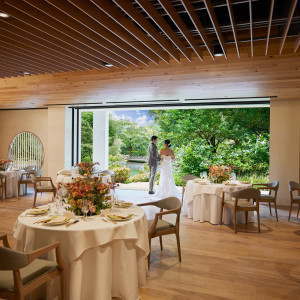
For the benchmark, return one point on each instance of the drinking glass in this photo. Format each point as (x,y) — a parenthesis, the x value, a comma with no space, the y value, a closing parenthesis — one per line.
(58,204)
(91,205)
(51,205)
(233,176)
(85,209)
(213,177)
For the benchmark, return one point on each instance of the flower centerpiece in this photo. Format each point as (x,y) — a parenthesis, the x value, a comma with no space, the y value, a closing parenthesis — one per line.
(220,173)
(90,189)
(86,168)
(4,164)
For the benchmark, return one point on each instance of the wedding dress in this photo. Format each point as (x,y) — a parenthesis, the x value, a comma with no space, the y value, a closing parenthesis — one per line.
(167,187)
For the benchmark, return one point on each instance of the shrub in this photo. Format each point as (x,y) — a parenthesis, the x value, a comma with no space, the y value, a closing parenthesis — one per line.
(122,174)
(142,177)
(116,161)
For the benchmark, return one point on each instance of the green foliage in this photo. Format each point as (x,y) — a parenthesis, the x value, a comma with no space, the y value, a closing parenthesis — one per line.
(87,136)
(142,177)
(116,161)
(254,178)
(122,174)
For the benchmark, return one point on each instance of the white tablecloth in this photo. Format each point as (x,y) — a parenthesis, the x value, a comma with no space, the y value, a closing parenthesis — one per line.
(203,203)
(12,178)
(104,260)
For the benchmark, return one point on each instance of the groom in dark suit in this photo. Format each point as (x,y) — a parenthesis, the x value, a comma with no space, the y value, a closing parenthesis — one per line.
(153,160)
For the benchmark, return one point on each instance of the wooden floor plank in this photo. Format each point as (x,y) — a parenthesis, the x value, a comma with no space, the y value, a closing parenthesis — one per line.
(216,263)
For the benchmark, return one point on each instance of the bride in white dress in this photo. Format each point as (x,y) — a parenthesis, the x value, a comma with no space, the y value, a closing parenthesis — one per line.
(167,187)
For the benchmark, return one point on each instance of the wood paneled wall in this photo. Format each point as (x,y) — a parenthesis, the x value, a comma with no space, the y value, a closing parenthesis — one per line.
(261,76)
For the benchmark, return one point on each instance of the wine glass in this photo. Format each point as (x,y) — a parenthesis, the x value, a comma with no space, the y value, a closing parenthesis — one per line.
(58,204)
(85,209)
(51,205)
(213,177)
(233,177)
(91,207)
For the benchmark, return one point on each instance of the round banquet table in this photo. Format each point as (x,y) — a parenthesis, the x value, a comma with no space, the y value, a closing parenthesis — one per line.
(103,259)
(12,178)
(202,202)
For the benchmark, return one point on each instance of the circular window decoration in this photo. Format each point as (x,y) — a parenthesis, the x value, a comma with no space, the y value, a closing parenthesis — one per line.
(25,150)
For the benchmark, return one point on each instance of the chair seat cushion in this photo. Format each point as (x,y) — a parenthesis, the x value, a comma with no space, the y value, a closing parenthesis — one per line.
(161,225)
(296,199)
(266,198)
(44,187)
(241,203)
(34,270)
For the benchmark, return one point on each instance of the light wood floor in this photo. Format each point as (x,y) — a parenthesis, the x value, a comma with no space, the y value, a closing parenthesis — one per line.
(216,263)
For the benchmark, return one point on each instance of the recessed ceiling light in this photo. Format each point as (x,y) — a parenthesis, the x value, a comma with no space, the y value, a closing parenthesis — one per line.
(4,15)
(107,65)
(218,51)
(25,73)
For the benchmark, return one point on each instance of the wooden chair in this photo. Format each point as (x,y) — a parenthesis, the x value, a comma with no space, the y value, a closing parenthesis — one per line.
(26,177)
(21,273)
(3,185)
(294,186)
(185,179)
(42,188)
(272,186)
(241,202)
(158,227)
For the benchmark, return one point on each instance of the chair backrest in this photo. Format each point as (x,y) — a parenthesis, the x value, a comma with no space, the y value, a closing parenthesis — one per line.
(293,185)
(274,184)
(169,203)
(188,177)
(64,172)
(29,168)
(12,260)
(2,176)
(249,193)
(38,172)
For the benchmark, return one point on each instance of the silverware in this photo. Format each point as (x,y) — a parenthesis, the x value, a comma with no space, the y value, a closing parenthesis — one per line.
(72,223)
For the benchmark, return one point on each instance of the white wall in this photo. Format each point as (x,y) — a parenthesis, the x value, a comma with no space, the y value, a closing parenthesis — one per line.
(15,121)
(284,145)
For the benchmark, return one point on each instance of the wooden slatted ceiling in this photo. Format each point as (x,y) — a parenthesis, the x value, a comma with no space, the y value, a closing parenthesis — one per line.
(52,36)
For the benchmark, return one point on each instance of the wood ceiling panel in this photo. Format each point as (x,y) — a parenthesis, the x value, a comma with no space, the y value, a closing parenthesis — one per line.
(53,36)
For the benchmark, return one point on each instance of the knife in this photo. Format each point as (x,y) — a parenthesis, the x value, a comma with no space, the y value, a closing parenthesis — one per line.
(71,223)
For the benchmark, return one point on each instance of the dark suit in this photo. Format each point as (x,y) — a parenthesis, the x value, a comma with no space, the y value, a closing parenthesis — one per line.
(153,160)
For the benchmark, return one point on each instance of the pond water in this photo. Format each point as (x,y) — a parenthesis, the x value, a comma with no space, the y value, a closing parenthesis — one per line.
(135,167)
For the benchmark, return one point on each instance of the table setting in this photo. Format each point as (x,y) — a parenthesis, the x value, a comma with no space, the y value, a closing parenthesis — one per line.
(202,197)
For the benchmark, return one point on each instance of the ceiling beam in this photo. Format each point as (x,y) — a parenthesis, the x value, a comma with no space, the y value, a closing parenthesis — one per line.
(111,10)
(269,25)
(165,27)
(168,7)
(92,29)
(287,24)
(198,25)
(135,14)
(297,43)
(37,32)
(216,26)
(251,26)
(233,25)
(95,45)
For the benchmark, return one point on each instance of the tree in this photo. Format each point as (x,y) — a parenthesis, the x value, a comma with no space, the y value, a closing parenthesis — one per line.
(87,136)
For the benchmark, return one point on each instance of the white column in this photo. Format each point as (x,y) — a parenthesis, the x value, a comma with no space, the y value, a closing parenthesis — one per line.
(100,138)
(284,145)
(68,138)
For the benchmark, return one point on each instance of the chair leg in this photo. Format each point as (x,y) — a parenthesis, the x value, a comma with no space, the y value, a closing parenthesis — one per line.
(234,221)
(258,221)
(178,245)
(270,208)
(182,194)
(298,210)
(149,253)
(275,207)
(290,210)
(63,285)
(35,194)
(246,216)
(221,215)
(160,241)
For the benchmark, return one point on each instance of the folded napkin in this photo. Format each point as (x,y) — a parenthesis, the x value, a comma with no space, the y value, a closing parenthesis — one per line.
(59,219)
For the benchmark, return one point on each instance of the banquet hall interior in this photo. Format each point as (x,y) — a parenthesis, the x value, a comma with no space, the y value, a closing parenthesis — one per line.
(224,240)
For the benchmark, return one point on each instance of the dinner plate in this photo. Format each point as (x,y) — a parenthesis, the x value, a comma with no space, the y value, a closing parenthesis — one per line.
(124,205)
(37,211)
(129,217)
(65,221)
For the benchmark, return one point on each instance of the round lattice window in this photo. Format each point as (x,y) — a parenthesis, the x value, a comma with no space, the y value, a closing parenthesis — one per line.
(25,150)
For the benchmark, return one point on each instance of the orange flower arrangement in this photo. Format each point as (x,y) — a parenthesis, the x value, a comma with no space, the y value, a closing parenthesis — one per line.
(220,172)
(4,163)
(91,189)
(86,168)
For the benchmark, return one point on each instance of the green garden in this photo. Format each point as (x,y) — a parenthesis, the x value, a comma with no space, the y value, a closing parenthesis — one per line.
(238,137)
